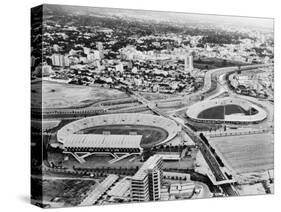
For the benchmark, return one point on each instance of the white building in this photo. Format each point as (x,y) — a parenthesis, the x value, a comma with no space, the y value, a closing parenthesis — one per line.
(60,60)
(56,47)
(43,71)
(146,183)
(86,50)
(188,63)
(119,67)
(97,55)
(135,70)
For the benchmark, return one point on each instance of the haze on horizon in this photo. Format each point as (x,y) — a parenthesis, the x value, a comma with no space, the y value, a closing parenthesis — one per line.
(171,17)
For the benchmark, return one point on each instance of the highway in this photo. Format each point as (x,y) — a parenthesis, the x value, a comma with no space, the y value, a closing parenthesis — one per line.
(209,89)
(206,91)
(210,159)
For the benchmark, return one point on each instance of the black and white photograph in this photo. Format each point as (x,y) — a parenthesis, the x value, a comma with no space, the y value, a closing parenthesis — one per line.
(132,106)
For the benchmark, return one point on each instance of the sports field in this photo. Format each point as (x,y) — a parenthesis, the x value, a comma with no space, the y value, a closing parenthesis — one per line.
(217,112)
(246,153)
(60,95)
(151,135)
(61,191)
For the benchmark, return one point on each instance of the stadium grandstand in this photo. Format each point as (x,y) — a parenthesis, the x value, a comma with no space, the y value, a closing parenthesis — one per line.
(119,144)
(81,146)
(123,119)
(103,143)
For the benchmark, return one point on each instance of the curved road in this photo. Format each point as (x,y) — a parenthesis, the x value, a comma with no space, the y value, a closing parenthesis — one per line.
(215,84)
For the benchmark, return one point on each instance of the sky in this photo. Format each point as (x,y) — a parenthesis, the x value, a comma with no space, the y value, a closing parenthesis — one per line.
(175,17)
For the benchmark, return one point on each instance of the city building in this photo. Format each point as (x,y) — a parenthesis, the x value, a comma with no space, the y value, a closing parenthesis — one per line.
(182,189)
(60,60)
(86,50)
(44,70)
(47,70)
(188,63)
(121,190)
(99,46)
(97,191)
(146,183)
(56,47)
(119,67)
(93,56)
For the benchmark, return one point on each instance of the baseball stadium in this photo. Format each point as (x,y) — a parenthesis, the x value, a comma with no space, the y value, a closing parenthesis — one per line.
(226,110)
(123,133)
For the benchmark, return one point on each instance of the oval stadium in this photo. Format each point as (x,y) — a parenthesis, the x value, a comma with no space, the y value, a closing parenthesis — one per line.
(150,130)
(226,110)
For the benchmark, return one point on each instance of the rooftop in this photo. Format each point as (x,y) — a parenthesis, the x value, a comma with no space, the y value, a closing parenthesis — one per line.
(103,141)
(149,164)
(99,190)
(120,189)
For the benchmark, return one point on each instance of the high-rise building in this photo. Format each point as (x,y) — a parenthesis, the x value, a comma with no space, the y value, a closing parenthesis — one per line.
(97,55)
(99,46)
(188,63)
(86,50)
(146,183)
(93,56)
(119,68)
(60,60)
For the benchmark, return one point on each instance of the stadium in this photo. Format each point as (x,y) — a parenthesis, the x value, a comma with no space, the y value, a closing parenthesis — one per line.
(227,110)
(123,134)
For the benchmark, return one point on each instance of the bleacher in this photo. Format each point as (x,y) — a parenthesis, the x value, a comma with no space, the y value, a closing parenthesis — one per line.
(95,141)
(122,118)
(193,111)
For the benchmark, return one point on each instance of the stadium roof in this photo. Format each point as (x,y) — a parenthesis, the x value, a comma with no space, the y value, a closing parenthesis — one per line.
(103,141)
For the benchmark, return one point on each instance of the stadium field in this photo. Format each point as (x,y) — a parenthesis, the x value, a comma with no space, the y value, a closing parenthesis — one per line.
(217,112)
(246,153)
(151,135)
